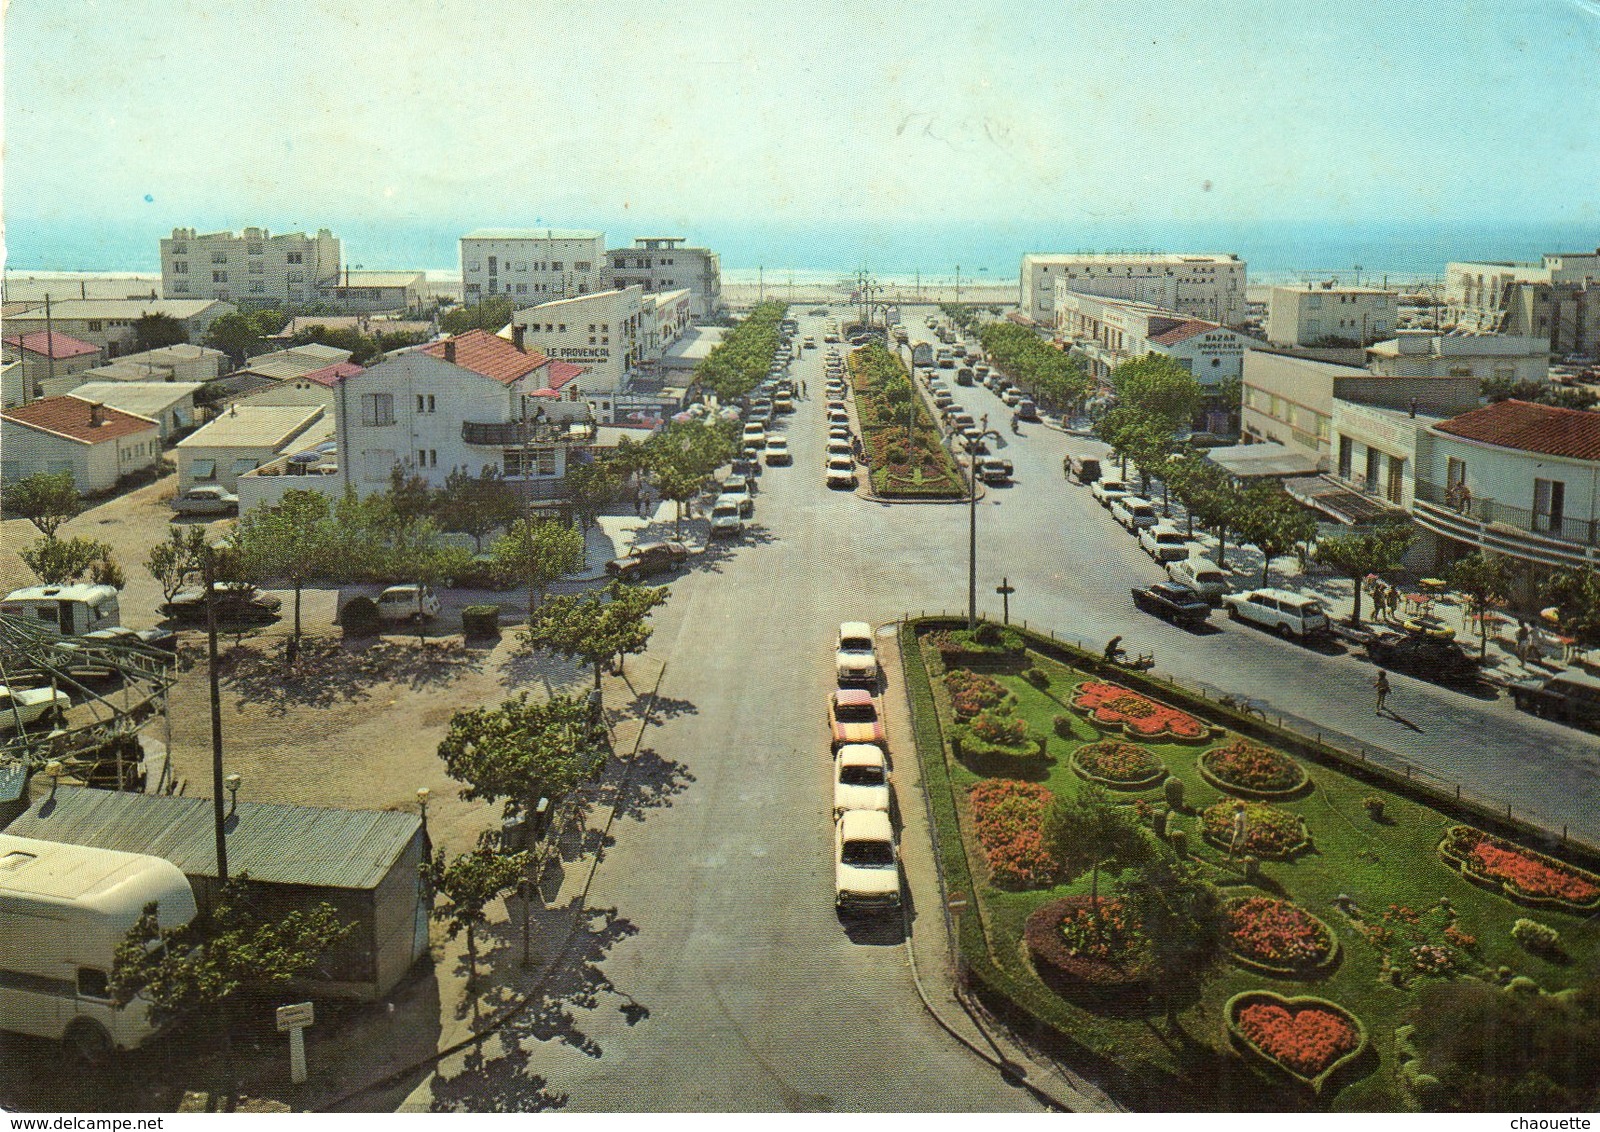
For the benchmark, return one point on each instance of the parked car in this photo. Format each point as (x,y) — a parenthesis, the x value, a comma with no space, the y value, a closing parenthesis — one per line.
(840,448)
(810,343)
(855,657)
(207,499)
(994,470)
(783,403)
(943,399)
(839,432)
(964,376)
(411,602)
(746,468)
(1176,603)
(1027,409)
(1202,575)
(739,485)
(1283,611)
(841,472)
(237,603)
(755,435)
(1135,513)
(1010,397)
(1424,655)
(866,868)
(727,518)
(839,417)
(1084,469)
(1108,491)
(777,450)
(853,717)
(648,558)
(32,705)
(1164,542)
(1571,696)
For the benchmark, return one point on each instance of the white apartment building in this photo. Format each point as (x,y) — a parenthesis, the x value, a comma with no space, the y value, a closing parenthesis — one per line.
(1557,299)
(1327,314)
(109,323)
(253,268)
(1197,286)
(665,263)
(1497,356)
(1103,333)
(532,265)
(607,333)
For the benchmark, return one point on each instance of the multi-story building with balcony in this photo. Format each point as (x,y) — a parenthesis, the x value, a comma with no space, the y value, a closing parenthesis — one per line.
(1330,315)
(1557,299)
(1103,333)
(532,265)
(251,269)
(1196,286)
(664,263)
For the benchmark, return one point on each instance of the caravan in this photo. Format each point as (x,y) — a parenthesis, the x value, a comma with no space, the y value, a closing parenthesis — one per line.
(70,611)
(64,910)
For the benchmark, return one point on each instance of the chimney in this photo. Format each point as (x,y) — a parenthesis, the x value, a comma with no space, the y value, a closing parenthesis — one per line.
(450,350)
(96,418)
(519,335)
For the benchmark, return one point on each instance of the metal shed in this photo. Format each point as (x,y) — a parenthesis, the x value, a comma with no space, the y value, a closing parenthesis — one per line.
(365,863)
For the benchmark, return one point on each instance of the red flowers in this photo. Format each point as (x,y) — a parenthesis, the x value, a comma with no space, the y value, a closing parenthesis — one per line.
(1117,762)
(1140,716)
(1277,933)
(1524,872)
(972,692)
(1009,818)
(1306,1041)
(1107,933)
(1252,766)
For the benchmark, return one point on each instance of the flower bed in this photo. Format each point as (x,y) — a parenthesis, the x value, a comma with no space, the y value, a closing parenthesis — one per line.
(1073,957)
(1269,832)
(918,468)
(1118,765)
(1524,875)
(972,692)
(1278,937)
(1417,943)
(1252,770)
(1139,717)
(997,650)
(1308,1039)
(997,742)
(1008,817)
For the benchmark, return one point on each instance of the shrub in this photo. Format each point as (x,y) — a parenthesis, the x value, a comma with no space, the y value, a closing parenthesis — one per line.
(1038,677)
(1008,818)
(1063,726)
(359,618)
(988,634)
(998,729)
(1541,939)
(480,620)
(1173,789)
(1179,840)
(972,692)
(1374,806)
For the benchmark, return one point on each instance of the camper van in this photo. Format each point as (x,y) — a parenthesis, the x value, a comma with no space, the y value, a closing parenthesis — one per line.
(70,611)
(64,910)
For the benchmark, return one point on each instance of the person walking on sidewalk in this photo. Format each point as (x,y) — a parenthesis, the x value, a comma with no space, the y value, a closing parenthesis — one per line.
(1381,685)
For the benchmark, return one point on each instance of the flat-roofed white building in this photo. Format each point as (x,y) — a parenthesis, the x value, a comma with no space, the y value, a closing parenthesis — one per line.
(532,265)
(1103,333)
(367,292)
(1208,286)
(666,263)
(1328,314)
(244,438)
(181,362)
(607,333)
(253,268)
(1483,356)
(1557,299)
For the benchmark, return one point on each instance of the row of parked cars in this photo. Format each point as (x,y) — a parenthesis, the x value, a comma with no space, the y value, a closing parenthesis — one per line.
(839,470)
(865,855)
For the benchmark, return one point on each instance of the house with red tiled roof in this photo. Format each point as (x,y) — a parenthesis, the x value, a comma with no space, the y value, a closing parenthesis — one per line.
(1103,332)
(316,387)
(471,401)
(99,445)
(48,364)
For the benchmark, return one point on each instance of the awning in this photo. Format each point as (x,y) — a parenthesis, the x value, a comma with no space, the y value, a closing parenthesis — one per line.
(203,470)
(1262,461)
(1340,501)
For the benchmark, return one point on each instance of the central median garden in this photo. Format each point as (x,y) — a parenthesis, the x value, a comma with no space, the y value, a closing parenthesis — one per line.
(1205,912)
(905,456)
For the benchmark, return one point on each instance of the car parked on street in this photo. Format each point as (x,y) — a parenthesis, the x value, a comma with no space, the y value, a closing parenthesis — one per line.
(855,657)
(1108,491)
(854,717)
(207,499)
(727,516)
(648,558)
(1178,604)
(861,780)
(1425,655)
(1084,469)
(777,451)
(237,603)
(410,602)
(841,472)
(1164,543)
(1027,409)
(1285,612)
(994,470)
(843,448)
(1202,575)
(1135,513)
(32,705)
(866,866)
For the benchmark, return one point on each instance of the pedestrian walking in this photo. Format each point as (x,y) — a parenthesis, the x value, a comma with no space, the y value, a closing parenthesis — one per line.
(1241,830)
(1524,635)
(1381,685)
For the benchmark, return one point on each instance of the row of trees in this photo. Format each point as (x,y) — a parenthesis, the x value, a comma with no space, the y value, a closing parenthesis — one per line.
(1055,380)
(739,363)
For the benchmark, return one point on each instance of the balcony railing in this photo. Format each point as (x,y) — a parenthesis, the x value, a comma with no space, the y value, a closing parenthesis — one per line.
(519,434)
(1492,525)
(545,489)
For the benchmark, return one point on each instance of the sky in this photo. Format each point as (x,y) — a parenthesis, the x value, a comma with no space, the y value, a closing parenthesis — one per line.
(692,117)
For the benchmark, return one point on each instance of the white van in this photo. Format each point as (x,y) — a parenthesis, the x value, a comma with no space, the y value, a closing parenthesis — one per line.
(64,911)
(1201,575)
(1283,611)
(69,611)
(1135,513)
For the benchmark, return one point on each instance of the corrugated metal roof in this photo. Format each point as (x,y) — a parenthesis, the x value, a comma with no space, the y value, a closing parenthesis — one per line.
(274,843)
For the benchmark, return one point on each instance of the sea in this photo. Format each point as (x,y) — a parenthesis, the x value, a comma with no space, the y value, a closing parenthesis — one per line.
(900,252)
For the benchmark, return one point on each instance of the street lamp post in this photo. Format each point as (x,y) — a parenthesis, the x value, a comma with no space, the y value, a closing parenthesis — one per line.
(972,521)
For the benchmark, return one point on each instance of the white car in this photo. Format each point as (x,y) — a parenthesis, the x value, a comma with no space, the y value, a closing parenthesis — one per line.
(1108,491)
(1283,611)
(207,499)
(838,417)
(1164,543)
(866,869)
(839,432)
(1135,513)
(755,436)
(840,447)
(777,450)
(411,602)
(841,472)
(727,516)
(861,779)
(1201,575)
(855,659)
(32,705)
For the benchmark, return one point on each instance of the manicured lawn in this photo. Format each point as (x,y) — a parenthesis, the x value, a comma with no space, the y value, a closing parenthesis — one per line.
(1377,863)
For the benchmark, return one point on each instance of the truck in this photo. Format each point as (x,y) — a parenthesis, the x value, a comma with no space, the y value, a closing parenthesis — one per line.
(64,911)
(67,611)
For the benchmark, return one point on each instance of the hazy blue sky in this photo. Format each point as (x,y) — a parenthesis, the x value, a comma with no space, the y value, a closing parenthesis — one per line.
(490,112)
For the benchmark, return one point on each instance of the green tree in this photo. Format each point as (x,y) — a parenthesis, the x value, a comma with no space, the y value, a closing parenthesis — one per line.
(1183,921)
(154,330)
(523,751)
(537,552)
(591,486)
(1272,521)
(296,541)
(174,562)
(409,500)
(242,334)
(49,499)
(595,628)
(1486,582)
(1495,389)
(1576,595)
(1359,553)
(59,561)
(477,504)
(1212,496)
(1089,829)
(471,882)
(1158,387)
(490,314)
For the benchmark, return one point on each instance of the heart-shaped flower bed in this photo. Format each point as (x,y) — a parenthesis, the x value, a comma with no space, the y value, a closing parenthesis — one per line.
(1525,875)
(1278,937)
(1121,766)
(1138,716)
(1251,770)
(1307,1039)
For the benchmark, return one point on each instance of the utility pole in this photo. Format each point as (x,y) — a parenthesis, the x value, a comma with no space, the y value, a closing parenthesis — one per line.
(49,347)
(218,813)
(958,285)
(761,284)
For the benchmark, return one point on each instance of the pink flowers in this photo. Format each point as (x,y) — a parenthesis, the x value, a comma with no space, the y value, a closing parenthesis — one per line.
(1139,716)
(1009,818)
(1306,1041)
(1117,762)
(972,692)
(1522,872)
(1252,766)
(1277,933)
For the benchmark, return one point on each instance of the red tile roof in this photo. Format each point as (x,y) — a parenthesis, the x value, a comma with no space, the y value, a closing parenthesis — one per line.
(1182,332)
(72,417)
(1545,429)
(47,343)
(561,373)
(334,374)
(490,355)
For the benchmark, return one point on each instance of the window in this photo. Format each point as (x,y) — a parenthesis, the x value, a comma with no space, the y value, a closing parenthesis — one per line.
(1455,472)
(473,288)
(494,265)
(203,470)
(180,286)
(1549,499)
(219,277)
(1373,456)
(257,267)
(219,257)
(377,409)
(252,249)
(522,288)
(180,249)
(427,457)
(1395,487)
(555,265)
(295,257)
(93,983)
(581,265)
(257,286)
(425,403)
(181,267)
(297,276)
(245,464)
